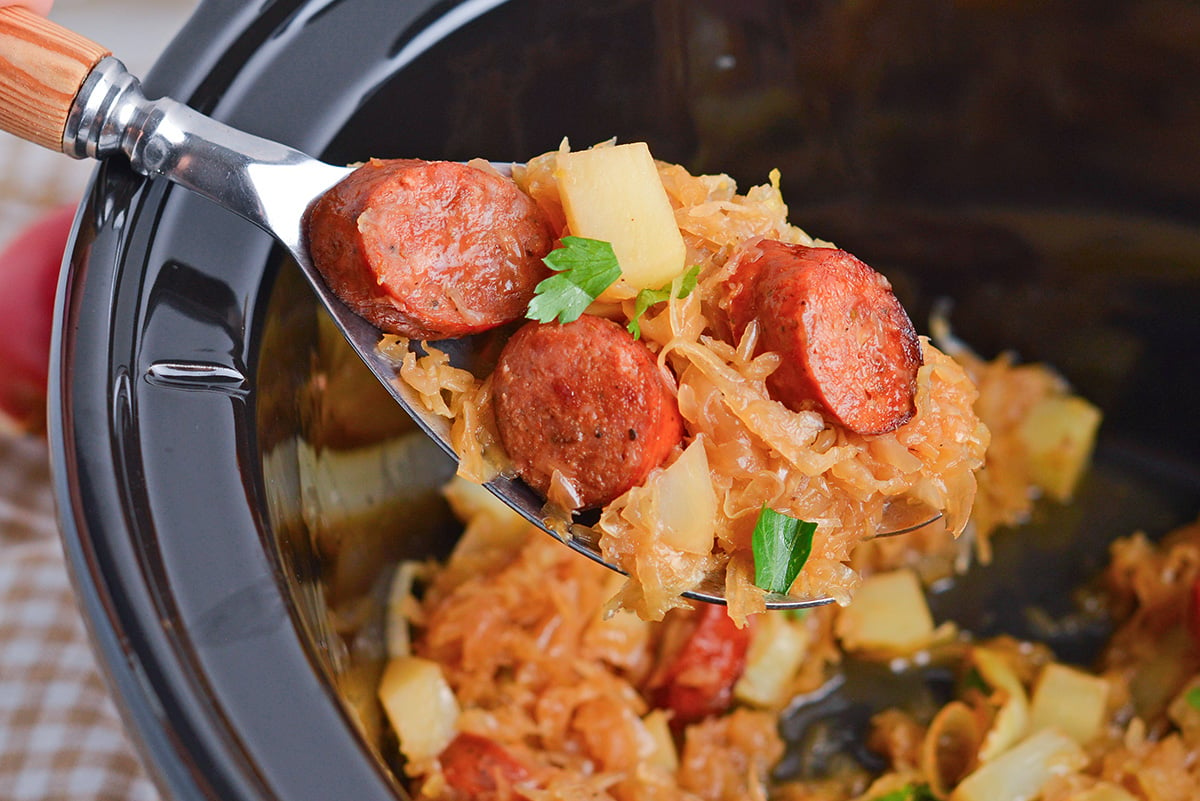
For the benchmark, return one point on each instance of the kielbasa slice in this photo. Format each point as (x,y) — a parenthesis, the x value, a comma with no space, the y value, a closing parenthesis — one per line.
(699,668)
(585,400)
(847,343)
(430,249)
(480,768)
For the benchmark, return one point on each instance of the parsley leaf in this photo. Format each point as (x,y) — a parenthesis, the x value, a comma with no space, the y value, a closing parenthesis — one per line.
(973,680)
(781,546)
(909,792)
(583,269)
(648,297)
(1192,697)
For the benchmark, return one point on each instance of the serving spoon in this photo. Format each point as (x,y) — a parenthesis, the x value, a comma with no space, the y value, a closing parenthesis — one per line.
(69,94)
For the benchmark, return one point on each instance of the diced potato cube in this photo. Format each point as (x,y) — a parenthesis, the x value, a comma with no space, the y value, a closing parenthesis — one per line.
(776,653)
(614,193)
(420,705)
(1070,700)
(663,754)
(888,615)
(686,503)
(1023,770)
(1058,435)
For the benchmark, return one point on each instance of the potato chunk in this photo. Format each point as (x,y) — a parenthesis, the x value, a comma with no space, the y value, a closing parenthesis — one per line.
(1070,700)
(1059,435)
(889,615)
(420,705)
(1023,770)
(614,193)
(776,653)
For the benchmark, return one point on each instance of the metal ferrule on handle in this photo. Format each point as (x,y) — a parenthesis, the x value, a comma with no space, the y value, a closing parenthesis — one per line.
(103,112)
(165,138)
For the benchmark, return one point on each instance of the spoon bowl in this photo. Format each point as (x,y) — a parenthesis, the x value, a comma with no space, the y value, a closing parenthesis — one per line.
(270,185)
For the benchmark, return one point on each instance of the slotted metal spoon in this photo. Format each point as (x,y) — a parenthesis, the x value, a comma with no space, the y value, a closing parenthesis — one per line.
(68,94)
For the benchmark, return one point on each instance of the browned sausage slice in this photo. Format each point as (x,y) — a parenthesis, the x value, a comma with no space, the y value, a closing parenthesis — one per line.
(587,400)
(846,341)
(697,672)
(430,249)
(481,768)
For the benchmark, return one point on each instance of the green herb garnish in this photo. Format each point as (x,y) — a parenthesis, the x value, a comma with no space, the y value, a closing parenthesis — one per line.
(584,268)
(648,297)
(1192,696)
(781,546)
(909,792)
(973,680)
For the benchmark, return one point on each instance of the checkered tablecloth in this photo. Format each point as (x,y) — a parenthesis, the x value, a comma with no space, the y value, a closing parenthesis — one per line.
(61,738)
(60,735)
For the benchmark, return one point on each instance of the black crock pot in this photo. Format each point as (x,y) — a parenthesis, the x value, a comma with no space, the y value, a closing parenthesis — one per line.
(1034,163)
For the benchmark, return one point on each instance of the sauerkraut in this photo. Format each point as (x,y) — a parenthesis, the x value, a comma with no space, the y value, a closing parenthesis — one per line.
(560,698)
(759,452)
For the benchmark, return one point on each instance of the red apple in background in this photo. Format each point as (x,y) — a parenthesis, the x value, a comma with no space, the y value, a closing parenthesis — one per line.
(29,268)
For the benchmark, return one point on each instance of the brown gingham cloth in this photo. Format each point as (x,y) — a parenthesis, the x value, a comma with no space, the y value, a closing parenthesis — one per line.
(61,738)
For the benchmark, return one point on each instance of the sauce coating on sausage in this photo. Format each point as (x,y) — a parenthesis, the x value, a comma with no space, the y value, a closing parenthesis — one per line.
(430,249)
(585,400)
(697,672)
(481,768)
(847,343)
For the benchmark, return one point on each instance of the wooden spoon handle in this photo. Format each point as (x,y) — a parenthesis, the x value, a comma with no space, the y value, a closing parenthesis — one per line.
(42,67)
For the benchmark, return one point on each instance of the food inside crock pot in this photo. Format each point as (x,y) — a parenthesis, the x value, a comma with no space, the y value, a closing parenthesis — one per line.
(506,685)
(512,672)
(499,683)
(710,377)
